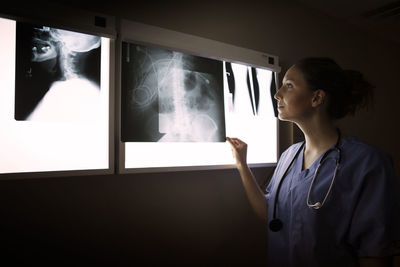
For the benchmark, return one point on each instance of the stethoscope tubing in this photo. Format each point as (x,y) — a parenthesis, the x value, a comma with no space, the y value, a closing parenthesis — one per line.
(276,224)
(318,204)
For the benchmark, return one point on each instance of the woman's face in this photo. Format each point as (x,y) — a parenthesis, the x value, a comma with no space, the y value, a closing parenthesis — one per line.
(294,97)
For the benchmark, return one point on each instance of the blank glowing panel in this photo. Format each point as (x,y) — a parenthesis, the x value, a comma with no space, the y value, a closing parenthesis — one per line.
(54,99)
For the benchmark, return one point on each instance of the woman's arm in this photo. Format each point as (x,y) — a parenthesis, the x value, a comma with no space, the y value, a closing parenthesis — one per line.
(256,197)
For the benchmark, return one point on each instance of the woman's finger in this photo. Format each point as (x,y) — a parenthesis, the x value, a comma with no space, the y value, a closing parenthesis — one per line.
(234,141)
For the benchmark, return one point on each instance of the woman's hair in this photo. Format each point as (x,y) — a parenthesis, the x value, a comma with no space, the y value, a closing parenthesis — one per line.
(347,89)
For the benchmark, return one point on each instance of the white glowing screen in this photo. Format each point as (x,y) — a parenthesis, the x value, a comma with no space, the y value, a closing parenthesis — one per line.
(54,99)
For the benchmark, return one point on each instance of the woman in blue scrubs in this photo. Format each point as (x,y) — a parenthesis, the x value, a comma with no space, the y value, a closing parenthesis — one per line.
(352,221)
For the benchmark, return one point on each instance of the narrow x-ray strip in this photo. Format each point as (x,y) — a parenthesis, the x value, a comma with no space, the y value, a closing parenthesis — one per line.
(250,90)
(256,88)
(273,91)
(231,79)
(243,78)
(169,96)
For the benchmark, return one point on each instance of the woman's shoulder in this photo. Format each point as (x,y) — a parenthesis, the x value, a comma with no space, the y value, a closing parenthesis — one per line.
(352,142)
(358,149)
(291,150)
(288,154)
(293,147)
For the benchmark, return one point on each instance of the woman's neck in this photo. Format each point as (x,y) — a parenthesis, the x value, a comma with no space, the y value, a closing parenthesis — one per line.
(319,138)
(319,132)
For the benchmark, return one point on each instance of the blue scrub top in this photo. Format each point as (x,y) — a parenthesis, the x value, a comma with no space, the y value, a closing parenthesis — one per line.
(360,218)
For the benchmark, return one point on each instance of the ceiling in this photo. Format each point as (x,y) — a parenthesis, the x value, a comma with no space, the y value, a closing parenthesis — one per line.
(377,17)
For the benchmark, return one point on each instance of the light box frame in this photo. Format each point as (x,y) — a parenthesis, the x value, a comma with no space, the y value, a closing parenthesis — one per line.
(84,22)
(143,34)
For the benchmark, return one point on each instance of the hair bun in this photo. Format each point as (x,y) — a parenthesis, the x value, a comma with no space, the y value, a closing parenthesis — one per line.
(360,90)
(347,89)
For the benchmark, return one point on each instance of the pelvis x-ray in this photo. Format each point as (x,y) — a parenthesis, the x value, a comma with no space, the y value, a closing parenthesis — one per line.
(169,96)
(57,74)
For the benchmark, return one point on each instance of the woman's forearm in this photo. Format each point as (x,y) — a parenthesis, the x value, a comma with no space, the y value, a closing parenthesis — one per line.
(256,197)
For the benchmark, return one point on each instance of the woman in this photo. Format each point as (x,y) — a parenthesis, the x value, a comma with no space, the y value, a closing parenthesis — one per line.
(350,222)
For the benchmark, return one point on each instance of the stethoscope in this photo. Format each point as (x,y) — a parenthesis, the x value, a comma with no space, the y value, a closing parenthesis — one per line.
(276,224)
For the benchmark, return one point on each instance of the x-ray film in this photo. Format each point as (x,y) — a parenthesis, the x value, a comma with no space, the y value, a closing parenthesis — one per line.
(169,96)
(57,74)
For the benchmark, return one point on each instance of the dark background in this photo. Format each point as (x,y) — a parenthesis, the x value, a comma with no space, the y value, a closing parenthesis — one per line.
(186,218)
(194,217)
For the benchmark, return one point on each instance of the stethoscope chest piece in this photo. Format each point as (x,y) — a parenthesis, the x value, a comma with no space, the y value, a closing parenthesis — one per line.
(275,225)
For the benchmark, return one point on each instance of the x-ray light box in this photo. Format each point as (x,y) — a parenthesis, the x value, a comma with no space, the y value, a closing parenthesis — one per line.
(54,99)
(182,95)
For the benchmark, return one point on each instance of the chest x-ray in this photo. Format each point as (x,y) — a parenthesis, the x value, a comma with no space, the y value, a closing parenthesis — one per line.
(57,74)
(170,96)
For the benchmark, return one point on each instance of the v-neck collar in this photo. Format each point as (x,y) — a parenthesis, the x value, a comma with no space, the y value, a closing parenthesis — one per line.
(299,163)
(313,165)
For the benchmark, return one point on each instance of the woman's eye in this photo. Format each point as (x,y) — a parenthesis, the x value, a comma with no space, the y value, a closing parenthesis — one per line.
(289,85)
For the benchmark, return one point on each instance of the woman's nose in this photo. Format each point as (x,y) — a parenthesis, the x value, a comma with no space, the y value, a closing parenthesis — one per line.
(277,94)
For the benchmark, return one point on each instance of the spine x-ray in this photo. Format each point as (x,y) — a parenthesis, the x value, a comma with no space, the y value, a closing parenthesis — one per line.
(169,96)
(57,74)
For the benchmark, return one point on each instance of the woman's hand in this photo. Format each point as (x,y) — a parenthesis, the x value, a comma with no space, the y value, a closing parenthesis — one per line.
(256,196)
(239,151)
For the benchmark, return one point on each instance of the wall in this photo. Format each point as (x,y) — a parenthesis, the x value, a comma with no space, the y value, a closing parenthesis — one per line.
(292,31)
(191,218)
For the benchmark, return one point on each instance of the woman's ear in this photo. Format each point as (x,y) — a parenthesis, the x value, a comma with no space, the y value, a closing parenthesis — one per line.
(318,98)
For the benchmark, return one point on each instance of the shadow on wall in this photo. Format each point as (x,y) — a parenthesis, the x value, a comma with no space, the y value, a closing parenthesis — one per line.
(202,219)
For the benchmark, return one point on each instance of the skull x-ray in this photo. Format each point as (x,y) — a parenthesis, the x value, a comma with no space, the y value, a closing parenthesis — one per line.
(57,74)
(169,96)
